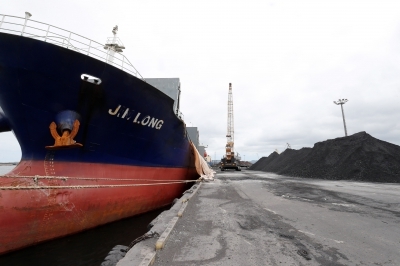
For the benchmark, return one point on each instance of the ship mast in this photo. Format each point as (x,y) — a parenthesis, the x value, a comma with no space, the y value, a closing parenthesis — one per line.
(230,132)
(113,45)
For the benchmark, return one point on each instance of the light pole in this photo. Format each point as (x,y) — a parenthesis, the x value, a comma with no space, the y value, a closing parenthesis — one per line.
(341,102)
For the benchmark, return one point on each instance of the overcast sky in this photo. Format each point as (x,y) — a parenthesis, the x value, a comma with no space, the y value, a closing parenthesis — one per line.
(287,62)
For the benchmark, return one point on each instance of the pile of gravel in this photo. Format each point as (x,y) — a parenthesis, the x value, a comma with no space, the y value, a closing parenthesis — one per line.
(356,157)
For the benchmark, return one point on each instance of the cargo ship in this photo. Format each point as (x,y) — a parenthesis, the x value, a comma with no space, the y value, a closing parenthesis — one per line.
(99,143)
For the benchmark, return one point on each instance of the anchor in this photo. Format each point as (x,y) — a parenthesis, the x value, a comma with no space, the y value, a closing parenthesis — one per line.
(68,129)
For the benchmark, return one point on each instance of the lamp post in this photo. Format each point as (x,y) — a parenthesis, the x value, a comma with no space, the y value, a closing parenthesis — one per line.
(341,102)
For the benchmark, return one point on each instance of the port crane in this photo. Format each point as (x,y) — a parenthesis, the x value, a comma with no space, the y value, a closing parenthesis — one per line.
(230,161)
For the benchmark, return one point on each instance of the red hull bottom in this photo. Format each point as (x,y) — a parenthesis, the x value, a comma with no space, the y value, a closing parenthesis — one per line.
(89,196)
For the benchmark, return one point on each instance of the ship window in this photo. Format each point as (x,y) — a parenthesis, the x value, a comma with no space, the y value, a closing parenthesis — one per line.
(91,79)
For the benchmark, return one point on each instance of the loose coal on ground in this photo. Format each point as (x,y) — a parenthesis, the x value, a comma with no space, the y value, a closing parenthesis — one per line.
(359,157)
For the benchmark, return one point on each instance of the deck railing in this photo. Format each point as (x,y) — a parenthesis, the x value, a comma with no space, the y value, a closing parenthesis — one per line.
(67,39)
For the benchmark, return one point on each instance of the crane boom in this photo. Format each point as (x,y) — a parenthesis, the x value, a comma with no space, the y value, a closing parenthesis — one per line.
(229,161)
(230,125)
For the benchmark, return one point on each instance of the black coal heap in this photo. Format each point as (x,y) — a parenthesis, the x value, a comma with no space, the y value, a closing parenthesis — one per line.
(357,157)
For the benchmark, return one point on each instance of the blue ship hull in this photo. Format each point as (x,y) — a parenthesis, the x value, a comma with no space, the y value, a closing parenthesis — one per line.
(39,80)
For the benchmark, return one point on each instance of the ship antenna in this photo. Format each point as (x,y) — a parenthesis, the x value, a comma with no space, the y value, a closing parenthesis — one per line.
(115,30)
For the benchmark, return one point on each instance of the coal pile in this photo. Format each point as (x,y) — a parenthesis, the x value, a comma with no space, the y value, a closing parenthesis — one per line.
(359,157)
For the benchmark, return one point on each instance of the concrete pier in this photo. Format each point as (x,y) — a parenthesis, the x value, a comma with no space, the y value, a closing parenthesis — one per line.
(258,218)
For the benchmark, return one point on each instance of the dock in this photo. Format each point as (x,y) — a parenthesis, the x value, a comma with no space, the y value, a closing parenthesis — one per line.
(258,218)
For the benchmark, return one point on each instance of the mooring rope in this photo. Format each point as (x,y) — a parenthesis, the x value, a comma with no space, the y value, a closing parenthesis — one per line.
(141,238)
(91,186)
(88,178)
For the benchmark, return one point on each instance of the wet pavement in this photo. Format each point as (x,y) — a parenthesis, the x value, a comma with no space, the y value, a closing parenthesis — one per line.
(258,218)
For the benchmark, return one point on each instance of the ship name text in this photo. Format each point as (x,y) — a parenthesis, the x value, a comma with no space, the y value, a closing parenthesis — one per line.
(126,113)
